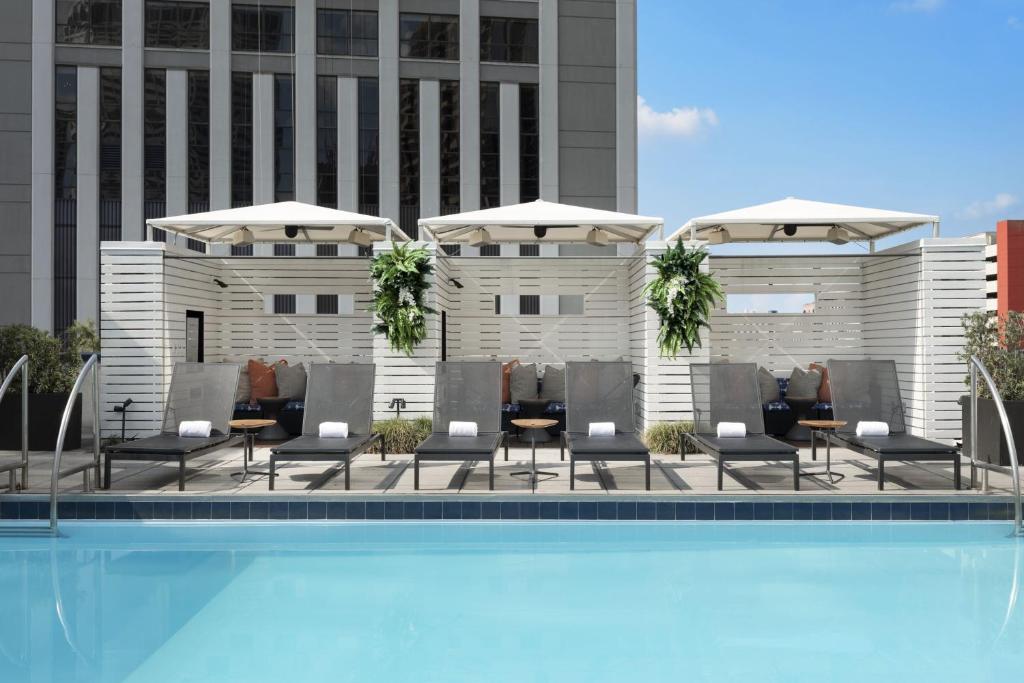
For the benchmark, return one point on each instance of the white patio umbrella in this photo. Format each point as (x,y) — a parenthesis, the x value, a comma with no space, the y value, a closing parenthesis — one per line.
(540,221)
(281,222)
(801,220)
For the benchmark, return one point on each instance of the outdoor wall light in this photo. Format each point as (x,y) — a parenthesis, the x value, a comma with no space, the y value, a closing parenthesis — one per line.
(479,238)
(456,283)
(291,231)
(220,283)
(789,229)
(540,231)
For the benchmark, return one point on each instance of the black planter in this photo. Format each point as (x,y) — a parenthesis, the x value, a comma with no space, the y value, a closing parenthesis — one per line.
(44,414)
(991,440)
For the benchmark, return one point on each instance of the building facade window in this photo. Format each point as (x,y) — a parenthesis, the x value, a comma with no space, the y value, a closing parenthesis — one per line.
(284,249)
(490,146)
(409,155)
(155,146)
(327,304)
(346,32)
(508,40)
(65,194)
(198,141)
(369,146)
(428,36)
(529,142)
(260,28)
(327,250)
(241,139)
(529,250)
(490,250)
(284,139)
(88,22)
(110,154)
(327,141)
(284,304)
(241,250)
(172,24)
(449,172)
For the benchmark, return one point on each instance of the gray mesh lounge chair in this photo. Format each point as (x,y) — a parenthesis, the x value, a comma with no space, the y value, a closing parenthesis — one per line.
(198,391)
(467,392)
(869,390)
(335,392)
(729,392)
(601,392)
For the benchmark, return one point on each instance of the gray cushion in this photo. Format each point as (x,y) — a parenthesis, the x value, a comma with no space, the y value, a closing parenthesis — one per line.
(244,391)
(804,384)
(769,385)
(553,387)
(524,382)
(291,381)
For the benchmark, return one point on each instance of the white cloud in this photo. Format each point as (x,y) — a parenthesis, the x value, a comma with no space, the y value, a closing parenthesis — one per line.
(680,122)
(983,208)
(925,6)
(1015,23)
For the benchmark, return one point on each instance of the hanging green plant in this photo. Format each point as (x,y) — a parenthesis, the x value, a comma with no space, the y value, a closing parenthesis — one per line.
(683,297)
(399,290)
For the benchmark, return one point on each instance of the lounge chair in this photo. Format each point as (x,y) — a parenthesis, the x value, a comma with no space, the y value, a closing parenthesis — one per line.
(869,390)
(465,392)
(601,392)
(198,391)
(335,392)
(729,392)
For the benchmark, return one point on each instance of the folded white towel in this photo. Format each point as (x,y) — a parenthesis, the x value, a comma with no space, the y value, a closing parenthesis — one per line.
(456,428)
(601,429)
(199,428)
(730,430)
(867,428)
(334,430)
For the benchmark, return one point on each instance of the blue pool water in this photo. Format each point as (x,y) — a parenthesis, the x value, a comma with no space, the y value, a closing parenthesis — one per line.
(513,602)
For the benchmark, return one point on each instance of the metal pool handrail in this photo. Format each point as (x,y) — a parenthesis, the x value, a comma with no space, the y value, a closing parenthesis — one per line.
(22,365)
(92,364)
(977,367)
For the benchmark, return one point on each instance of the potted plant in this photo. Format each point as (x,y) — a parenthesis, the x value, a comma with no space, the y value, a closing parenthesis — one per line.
(998,341)
(399,296)
(53,367)
(683,296)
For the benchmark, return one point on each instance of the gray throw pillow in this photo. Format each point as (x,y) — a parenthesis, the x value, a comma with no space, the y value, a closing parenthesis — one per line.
(804,384)
(553,387)
(769,385)
(244,391)
(291,381)
(524,382)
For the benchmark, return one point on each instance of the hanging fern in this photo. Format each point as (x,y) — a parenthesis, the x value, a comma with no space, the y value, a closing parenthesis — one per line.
(399,290)
(683,298)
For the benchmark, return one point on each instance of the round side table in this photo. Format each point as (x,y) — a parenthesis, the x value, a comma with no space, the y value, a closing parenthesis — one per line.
(533,409)
(824,429)
(249,429)
(534,426)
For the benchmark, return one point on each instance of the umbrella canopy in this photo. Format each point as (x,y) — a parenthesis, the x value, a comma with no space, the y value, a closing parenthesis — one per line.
(280,222)
(800,220)
(540,221)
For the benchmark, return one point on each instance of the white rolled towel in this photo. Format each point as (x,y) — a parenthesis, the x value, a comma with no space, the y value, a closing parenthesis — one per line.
(868,428)
(334,430)
(601,429)
(197,428)
(731,430)
(456,428)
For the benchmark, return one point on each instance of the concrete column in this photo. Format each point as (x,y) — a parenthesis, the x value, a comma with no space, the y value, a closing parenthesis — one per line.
(263,138)
(509,131)
(1009,266)
(430,148)
(388,83)
(305,101)
(87,218)
(625,106)
(469,105)
(548,91)
(42,164)
(220,105)
(177,142)
(348,144)
(133,38)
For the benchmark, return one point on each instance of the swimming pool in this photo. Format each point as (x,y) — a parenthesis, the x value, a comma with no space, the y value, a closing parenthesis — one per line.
(595,601)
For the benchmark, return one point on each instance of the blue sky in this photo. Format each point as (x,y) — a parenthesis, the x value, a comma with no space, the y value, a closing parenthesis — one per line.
(914,105)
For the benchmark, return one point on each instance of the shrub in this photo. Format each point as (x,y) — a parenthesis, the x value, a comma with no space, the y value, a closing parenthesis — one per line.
(683,296)
(53,365)
(401,435)
(399,296)
(998,342)
(663,437)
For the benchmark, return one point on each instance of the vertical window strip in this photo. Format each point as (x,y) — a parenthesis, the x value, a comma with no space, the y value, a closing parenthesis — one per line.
(369,145)
(449,123)
(490,146)
(284,139)
(327,141)
(529,142)
(409,156)
(155,147)
(241,139)
(65,196)
(110,154)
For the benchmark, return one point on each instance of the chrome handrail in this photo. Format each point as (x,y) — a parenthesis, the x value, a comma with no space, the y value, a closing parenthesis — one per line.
(22,365)
(976,367)
(91,364)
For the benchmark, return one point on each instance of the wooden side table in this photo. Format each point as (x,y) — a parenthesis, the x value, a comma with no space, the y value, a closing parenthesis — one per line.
(533,426)
(249,429)
(533,409)
(824,429)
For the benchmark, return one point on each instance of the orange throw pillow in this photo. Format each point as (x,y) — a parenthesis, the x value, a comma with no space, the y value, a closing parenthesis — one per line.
(825,390)
(506,380)
(261,377)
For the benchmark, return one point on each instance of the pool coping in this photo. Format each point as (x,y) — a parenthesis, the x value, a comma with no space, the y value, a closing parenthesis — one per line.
(513,507)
